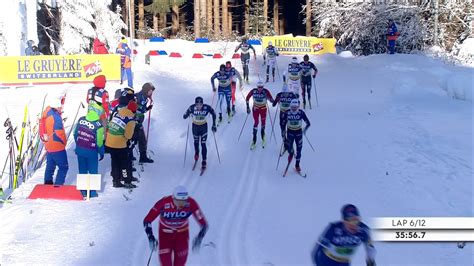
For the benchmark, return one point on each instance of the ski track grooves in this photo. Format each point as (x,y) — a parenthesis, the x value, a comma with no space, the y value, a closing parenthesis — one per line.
(232,234)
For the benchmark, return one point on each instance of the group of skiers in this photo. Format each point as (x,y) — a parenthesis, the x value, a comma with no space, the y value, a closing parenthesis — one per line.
(335,247)
(114,127)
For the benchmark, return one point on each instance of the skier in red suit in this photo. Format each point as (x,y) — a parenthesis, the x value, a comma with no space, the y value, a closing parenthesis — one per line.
(173,236)
(260,96)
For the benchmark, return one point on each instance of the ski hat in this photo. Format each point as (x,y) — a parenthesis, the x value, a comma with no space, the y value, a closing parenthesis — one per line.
(270,43)
(228,64)
(147,87)
(348,211)
(222,67)
(132,106)
(294,60)
(295,103)
(199,100)
(260,84)
(99,81)
(123,40)
(180,193)
(306,57)
(284,88)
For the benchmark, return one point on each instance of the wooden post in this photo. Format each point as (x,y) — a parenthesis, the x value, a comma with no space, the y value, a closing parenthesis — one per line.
(174,20)
(230,22)
(209,17)
(141,18)
(246,16)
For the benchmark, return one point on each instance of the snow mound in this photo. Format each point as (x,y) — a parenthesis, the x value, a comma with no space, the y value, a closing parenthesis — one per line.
(346,54)
(460,86)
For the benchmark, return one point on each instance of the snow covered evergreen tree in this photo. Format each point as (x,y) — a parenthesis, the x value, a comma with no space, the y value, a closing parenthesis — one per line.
(257,21)
(82,21)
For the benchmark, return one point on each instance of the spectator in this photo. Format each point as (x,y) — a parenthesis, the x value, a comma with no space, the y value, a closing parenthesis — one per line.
(54,138)
(392,35)
(126,64)
(99,47)
(31,48)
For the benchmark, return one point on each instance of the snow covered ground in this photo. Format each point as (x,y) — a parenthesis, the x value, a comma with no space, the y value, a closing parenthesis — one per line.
(390,136)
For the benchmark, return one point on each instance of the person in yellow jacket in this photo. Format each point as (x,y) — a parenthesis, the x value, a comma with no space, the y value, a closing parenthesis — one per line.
(120,131)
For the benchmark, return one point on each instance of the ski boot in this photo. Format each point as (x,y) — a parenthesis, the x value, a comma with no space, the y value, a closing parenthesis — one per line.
(233,109)
(220,118)
(253,145)
(196,156)
(145,159)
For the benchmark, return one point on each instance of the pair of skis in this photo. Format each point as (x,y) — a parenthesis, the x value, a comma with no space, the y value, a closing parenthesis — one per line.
(203,169)
(283,150)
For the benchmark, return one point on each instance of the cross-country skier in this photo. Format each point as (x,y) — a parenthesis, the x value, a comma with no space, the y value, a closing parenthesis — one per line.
(284,98)
(293,120)
(245,56)
(173,236)
(224,89)
(269,58)
(234,73)
(294,72)
(306,75)
(89,138)
(143,99)
(337,244)
(260,96)
(392,35)
(54,138)
(120,131)
(199,112)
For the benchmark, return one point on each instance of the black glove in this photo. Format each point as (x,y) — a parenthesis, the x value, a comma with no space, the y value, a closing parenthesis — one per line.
(214,128)
(274,103)
(248,108)
(305,129)
(101,157)
(152,242)
(370,262)
(185,116)
(149,107)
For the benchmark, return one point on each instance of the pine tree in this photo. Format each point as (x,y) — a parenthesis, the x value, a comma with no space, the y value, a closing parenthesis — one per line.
(258,24)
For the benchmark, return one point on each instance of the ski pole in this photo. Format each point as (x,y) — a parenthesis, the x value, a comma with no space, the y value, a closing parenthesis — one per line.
(309,142)
(316,93)
(279,155)
(213,96)
(274,119)
(74,121)
(149,118)
(243,127)
(271,122)
(186,149)
(217,149)
(149,258)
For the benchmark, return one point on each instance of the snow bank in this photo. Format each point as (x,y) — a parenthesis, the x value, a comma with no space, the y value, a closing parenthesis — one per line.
(460,86)
(346,54)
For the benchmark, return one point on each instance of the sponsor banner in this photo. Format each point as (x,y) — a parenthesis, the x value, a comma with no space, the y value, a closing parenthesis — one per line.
(50,69)
(301,45)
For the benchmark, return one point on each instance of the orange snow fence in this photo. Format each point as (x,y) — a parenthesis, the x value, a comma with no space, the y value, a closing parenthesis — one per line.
(198,55)
(236,56)
(217,56)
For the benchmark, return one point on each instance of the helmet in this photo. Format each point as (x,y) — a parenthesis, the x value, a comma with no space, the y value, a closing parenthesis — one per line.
(99,81)
(295,103)
(222,67)
(228,64)
(180,193)
(270,43)
(306,57)
(284,88)
(199,100)
(260,84)
(348,211)
(294,60)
